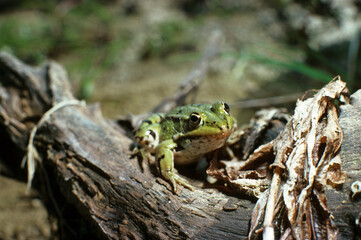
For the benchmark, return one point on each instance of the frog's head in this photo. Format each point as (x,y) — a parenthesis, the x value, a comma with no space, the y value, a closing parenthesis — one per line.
(211,121)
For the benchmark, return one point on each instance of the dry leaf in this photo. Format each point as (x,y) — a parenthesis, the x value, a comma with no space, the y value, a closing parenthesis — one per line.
(305,160)
(251,177)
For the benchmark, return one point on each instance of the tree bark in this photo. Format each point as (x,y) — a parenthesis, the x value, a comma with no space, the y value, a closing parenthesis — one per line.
(92,185)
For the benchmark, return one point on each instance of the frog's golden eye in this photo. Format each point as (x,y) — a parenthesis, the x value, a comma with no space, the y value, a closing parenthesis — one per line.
(226,107)
(194,120)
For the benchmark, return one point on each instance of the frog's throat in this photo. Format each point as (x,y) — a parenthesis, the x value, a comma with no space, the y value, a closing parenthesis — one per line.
(197,149)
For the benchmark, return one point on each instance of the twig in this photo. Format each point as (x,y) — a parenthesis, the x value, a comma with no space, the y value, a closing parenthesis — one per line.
(266,102)
(195,77)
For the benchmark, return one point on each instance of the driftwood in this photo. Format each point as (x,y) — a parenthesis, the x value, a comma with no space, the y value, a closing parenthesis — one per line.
(92,186)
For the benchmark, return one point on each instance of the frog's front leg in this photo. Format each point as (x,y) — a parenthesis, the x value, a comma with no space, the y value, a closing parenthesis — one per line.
(164,154)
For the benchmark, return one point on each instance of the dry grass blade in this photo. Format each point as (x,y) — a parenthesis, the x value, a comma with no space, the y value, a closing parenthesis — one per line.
(32,155)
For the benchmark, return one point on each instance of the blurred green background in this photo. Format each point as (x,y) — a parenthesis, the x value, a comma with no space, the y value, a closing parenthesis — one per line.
(129,55)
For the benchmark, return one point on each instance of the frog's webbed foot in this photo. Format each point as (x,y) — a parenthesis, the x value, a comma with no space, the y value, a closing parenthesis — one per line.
(144,158)
(135,151)
(165,163)
(175,178)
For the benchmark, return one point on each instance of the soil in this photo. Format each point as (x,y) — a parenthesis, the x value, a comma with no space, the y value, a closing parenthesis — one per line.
(23,216)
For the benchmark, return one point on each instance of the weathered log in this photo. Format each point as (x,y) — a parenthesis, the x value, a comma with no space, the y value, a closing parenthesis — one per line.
(92,186)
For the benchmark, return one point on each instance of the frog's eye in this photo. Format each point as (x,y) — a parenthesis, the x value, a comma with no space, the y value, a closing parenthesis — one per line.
(195,120)
(226,107)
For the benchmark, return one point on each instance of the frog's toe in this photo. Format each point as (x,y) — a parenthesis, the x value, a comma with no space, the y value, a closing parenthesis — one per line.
(174,183)
(183,182)
(174,179)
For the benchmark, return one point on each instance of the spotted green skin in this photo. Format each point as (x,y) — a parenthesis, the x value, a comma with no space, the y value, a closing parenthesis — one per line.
(184,135)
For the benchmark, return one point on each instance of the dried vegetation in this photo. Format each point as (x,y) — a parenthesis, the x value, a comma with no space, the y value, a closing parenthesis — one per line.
(290,174)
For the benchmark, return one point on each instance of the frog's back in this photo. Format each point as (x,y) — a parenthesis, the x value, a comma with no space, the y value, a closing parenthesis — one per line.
(187,110)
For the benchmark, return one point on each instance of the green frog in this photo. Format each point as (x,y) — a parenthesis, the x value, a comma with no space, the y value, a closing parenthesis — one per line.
(184,135)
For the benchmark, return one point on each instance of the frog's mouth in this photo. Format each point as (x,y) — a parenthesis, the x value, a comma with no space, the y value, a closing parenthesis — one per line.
(208,143)
(225,134)
(222,134)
